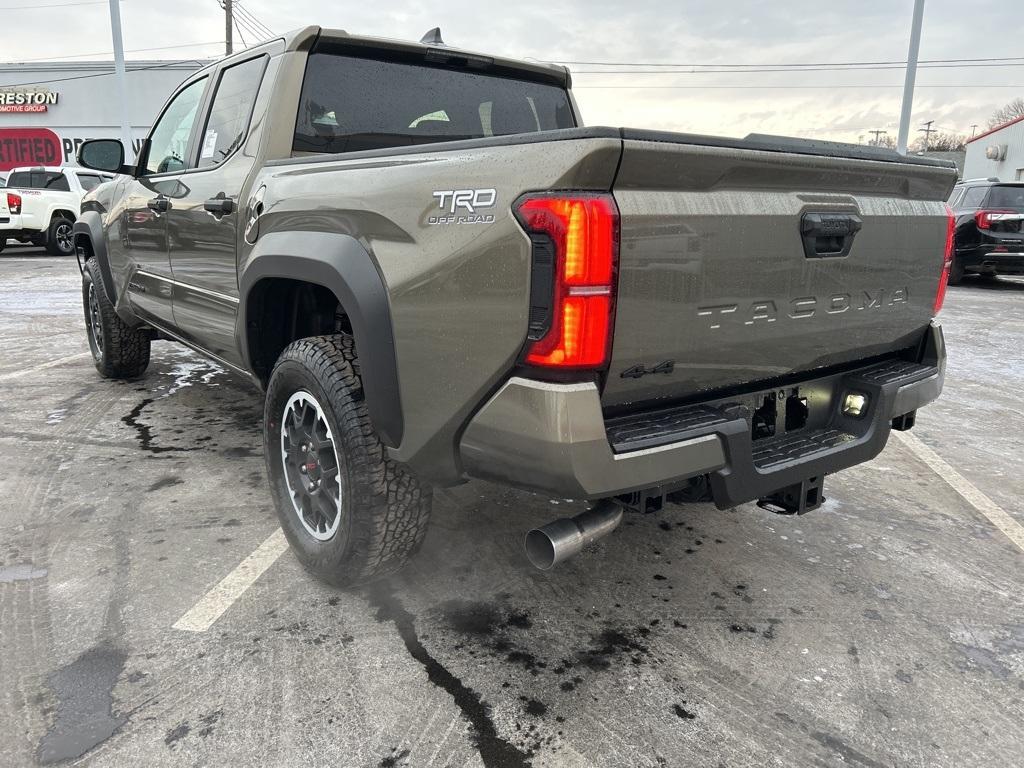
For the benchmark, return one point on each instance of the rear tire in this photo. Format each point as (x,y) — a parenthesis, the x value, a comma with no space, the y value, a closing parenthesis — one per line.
(956,272)
(119,351)
(60,240)
(350,513)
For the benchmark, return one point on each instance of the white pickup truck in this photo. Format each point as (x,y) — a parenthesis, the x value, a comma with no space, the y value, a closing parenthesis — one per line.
(40,204)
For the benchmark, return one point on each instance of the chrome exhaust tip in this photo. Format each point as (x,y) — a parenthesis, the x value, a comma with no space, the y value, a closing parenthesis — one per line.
(560,539)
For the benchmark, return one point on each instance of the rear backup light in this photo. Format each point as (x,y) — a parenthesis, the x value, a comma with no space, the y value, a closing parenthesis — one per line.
(14,203)
(583,231)
(984,218)
(855,404)
(947,261)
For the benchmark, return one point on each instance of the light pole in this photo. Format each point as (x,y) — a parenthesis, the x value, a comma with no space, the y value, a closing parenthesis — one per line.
(908,83)
(119,76)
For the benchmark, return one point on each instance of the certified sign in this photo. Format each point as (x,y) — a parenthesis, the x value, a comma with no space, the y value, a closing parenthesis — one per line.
(27,101)
(28,146)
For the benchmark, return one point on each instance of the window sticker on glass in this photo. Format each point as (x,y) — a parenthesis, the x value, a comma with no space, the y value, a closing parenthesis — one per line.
(209,144)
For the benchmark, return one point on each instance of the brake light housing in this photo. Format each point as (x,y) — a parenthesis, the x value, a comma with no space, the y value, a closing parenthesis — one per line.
(984,219)
(947,261)
(14,203)
(575,239)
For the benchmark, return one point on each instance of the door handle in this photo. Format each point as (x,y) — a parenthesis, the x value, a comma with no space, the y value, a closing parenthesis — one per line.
(219,205)
(159,204)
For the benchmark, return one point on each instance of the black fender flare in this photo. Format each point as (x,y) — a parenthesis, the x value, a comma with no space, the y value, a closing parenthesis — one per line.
(90,225)
(339,263)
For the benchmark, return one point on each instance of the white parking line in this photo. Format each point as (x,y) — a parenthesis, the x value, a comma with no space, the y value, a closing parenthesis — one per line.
(43,366)
(201,616)
(995,514)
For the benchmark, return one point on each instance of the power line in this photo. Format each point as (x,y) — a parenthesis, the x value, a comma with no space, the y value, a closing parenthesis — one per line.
(253,21)
(802,64)
(56,5)
(733,71)
(110,53)
(107,74)
(774,87)
(241,37)
(243,23)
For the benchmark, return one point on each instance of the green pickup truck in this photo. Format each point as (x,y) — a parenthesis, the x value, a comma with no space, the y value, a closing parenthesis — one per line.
(436,273)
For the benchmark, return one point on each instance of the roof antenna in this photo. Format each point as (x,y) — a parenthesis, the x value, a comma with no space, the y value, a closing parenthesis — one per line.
(433,37)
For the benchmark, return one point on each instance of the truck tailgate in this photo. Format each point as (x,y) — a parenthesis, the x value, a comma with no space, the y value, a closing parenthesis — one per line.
(733,270)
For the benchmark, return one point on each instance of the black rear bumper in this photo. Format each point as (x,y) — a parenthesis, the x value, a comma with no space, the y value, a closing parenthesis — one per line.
(554,438)
(984,258)
(757,468)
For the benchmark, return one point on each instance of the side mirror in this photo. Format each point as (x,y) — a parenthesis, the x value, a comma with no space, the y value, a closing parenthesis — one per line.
(102,155)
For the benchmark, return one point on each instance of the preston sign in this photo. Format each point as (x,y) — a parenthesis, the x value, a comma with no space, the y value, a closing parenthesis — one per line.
(27,101)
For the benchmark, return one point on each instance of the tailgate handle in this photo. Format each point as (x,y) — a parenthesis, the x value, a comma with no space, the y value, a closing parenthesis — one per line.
(828,235)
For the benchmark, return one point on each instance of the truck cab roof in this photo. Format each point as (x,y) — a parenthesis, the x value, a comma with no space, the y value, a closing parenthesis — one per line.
(306,38)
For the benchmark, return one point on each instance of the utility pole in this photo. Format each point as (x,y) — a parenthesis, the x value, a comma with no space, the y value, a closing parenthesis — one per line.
(120,76)
(927,131)
(228,24)
(974,128)
(908,83)
(878,135)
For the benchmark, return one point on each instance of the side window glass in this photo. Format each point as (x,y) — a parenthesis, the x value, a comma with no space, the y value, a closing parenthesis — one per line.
(974,197)
(88,181)
(168,143)
(228,123)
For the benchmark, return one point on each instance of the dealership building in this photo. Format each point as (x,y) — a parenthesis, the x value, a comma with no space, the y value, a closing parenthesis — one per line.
(997,154)
(48,109)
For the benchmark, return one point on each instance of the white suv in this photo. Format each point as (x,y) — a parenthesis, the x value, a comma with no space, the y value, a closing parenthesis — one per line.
(40,204)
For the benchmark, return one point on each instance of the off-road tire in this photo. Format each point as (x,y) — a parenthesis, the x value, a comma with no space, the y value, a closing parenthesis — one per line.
(384,507)
(118,350)
(59,238)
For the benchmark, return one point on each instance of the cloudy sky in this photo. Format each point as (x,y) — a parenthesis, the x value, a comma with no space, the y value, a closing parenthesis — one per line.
(840,105)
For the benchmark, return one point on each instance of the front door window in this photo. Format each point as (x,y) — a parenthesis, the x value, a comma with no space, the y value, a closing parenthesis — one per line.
(168,144)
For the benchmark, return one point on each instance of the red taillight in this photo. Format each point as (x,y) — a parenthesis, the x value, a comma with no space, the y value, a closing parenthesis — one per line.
(947,261)
(14,203)
(584,231)
(984,219)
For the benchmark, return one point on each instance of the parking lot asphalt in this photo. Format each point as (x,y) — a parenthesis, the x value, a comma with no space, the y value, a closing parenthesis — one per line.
(886,629)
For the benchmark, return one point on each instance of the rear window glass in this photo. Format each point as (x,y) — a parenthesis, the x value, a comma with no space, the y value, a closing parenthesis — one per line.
(350,104)
(39,180)
(1006,197)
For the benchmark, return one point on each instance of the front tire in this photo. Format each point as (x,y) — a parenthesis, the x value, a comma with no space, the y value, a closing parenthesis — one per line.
(60,239)
(350,513)
(118,350)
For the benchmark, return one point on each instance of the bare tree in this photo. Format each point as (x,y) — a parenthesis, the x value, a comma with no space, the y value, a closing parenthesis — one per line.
(940,142)
(947,142)
(1007,113)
